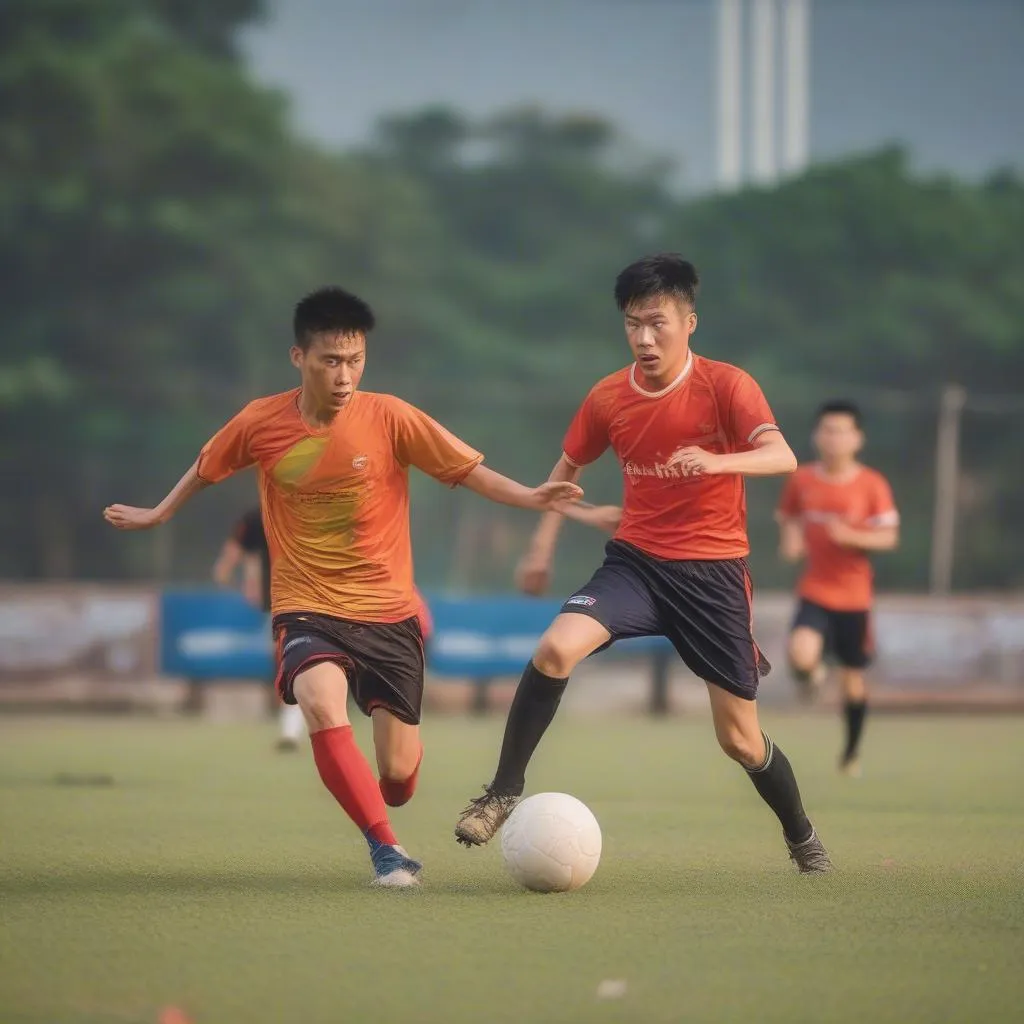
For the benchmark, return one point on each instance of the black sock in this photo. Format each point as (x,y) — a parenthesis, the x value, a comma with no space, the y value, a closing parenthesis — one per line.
(776,783)
(855,711)
(533,708)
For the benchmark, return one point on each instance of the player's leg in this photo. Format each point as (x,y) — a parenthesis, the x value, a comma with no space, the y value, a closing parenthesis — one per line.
(399,752)
(614,604)
(853,652)
(567,641)
(291,726)
(322,693)
(806,647)
(741,737)
(707,607)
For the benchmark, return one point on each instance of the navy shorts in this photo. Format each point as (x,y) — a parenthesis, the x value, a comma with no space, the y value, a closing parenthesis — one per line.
(847,636)
(383,661)
(702,607)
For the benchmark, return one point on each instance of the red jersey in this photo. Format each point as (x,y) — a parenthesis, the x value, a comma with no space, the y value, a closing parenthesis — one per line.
(837,577)
(336,501)
(710,404)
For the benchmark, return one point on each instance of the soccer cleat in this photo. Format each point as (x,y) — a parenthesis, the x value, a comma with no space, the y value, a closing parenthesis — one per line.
(394,868)
(850,767)
(810,856)
(485,814)
(286,744)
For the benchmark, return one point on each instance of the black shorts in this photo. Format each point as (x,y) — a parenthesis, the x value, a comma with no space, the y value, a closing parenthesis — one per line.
(847,635)
(382,660)
(702,607)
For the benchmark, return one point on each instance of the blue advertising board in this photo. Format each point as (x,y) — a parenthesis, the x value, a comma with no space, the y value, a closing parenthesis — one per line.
(214,634)
(490,637)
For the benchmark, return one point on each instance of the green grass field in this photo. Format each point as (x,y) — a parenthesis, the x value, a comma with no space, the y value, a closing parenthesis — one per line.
(217,876)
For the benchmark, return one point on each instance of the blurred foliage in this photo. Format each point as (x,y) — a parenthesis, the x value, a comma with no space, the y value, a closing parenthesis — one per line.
(159,217)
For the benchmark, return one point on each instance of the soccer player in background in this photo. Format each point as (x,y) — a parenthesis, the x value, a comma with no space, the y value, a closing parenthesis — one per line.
(834,513)
(246,548)
(333,466)
(686,430)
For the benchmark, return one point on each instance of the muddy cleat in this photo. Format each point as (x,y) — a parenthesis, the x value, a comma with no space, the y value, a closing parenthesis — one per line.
(394,868)
(850,767)
(810,856)
(485,814)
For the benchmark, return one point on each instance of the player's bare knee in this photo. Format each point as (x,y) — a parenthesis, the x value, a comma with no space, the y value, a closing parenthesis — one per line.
(397,765)
(322,695)
(746,749)
(554,657)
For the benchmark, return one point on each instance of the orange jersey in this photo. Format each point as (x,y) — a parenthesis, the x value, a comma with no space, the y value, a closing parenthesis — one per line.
(668,515)
(336,501)
(836,577)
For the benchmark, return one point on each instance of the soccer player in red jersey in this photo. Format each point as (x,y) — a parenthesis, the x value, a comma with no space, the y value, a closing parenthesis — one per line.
(835,512)
(333,468)
(686,430)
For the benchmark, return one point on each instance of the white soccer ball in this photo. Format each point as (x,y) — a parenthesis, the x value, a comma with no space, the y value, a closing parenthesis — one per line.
(551,843)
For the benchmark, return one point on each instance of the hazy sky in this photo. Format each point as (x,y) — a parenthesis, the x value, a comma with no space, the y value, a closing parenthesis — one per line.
(944,76)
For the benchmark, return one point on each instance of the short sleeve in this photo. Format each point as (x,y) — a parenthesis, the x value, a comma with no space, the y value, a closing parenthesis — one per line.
(249,532)
(749,414)
(882,509)
(789,503)
(422,442)
(587,436)
(227,452)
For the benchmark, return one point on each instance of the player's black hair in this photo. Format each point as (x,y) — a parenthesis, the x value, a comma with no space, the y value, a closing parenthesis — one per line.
(331,311)
(840,406)
(666,273)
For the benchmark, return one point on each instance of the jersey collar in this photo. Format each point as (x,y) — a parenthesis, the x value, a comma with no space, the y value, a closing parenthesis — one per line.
(683,374)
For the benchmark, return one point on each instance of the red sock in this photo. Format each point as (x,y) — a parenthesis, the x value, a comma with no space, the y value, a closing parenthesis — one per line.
(399,791)
(346,773)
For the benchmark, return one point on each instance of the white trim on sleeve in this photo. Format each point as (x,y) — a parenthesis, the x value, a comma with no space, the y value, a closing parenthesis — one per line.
(758,431)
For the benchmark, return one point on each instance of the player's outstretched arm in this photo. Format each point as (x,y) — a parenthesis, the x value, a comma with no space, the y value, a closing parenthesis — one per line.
(533,573)
(769,455)
(501,489)
(129,517)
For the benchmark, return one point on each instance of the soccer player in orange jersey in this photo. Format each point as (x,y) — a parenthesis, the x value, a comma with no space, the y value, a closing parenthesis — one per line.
(333,466)
(686,431)
(835,512)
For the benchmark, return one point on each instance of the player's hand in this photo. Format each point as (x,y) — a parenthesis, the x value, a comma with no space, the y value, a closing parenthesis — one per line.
(842,533)
(694,461)
(128,517)
(553,493)
(533,574)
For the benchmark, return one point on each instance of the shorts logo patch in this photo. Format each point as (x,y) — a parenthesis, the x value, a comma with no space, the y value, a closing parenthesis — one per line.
(360,462)
(295,643)
(582,599)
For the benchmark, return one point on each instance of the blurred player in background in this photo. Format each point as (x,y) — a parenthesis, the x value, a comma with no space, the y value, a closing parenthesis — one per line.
(333,466)
(834,513)
(246,549)
(686,431)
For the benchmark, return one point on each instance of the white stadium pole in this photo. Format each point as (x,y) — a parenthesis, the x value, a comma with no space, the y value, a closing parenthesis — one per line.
(762,90)
(796,34)
(730,105)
